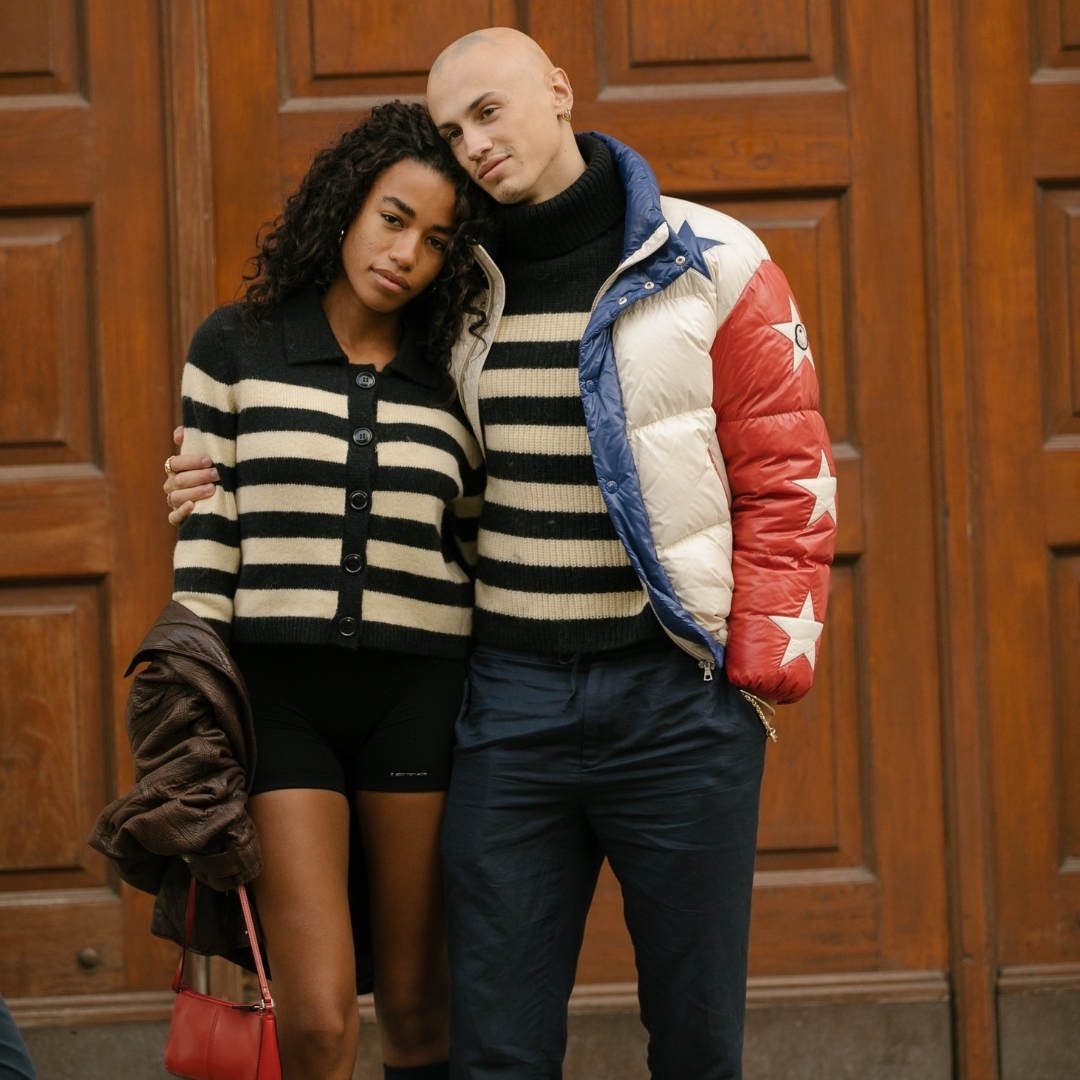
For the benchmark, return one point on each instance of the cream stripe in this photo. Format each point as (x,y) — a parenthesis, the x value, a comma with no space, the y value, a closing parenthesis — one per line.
(537,439)
(222,451)
(291,444)
(411,455)
(552,498)
(208,554)
(285,603)
(381,607)
(531,551)
(559,606)
(206,605)
(206,390)
(222,504)
(392,412)
(290,498)
(543,326)
(264,394)
(306,550)
(406,505)
(529,382)
(430,564)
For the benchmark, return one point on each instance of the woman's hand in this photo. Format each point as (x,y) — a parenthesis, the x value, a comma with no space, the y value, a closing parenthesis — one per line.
(192,476)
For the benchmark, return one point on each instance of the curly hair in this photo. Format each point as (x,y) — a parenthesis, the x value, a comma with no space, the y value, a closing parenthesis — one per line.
(301,249)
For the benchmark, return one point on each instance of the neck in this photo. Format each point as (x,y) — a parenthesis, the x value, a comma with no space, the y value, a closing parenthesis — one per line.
(563,171)
(365,336)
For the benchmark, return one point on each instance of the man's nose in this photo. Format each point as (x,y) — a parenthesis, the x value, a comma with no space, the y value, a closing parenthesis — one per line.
(476,143)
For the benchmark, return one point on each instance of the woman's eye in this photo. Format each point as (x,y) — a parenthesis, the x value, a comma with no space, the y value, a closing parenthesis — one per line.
(390,219)
(451,136)
(487,112)
(438,245)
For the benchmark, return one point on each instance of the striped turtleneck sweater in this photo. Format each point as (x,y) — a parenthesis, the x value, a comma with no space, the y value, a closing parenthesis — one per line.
(552,574)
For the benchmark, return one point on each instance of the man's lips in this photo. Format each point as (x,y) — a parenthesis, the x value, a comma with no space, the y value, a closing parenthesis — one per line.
(491,164)
(389,280)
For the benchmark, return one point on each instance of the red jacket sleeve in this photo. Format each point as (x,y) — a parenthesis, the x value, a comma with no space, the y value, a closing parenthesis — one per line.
(783,487)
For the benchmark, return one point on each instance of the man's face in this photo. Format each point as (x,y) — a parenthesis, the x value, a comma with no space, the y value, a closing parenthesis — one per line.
(502,120)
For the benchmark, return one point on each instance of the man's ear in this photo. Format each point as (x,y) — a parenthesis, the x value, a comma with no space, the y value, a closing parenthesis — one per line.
(562,95)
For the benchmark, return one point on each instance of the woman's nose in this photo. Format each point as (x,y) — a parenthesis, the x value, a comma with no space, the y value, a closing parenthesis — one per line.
(404,251)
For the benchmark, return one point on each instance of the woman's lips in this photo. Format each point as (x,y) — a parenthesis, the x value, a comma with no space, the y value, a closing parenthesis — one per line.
(491,165)
(390,281)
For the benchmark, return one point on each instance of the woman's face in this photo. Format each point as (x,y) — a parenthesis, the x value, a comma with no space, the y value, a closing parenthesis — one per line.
(394,248)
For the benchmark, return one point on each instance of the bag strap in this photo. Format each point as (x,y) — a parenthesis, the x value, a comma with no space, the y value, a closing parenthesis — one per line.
(268,1002)
(253,940)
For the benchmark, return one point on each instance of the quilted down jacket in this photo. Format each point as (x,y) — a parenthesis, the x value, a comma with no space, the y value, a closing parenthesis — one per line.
(701,401)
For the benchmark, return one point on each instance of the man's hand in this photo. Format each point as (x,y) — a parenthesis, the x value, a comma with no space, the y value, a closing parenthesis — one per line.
(191,477)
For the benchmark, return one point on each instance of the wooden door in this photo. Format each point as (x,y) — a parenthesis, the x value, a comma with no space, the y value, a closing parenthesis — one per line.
(1021,134)
(801,118)
(85,396)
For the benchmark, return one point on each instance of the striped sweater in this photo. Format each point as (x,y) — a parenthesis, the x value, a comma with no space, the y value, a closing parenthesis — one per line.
(347,509)
(553,575)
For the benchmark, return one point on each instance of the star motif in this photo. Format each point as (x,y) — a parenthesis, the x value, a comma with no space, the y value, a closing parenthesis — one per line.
(802,631)
(795,332)
(823,488)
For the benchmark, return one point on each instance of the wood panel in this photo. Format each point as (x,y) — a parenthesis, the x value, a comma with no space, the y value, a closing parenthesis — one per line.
(1059,223)
(1066,638)
(1057,38)
(703,43)
(336,48)
(46,383)
(41,47)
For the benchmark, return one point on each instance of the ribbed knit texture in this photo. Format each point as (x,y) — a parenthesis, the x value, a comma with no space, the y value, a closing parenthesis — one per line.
(552,574)
(348,504)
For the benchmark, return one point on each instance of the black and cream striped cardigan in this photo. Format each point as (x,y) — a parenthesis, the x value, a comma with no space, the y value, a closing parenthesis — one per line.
(348,504)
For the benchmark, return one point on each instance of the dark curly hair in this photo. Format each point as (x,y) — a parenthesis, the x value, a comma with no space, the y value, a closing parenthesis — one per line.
(302,248)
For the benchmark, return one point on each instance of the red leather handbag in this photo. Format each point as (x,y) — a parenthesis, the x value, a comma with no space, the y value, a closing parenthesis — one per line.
(211,1039)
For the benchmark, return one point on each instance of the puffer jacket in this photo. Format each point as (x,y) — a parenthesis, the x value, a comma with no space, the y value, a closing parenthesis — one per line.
(701,402)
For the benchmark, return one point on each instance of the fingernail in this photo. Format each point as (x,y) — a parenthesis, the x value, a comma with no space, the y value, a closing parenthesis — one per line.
(209,489)
(207,462)
(214,474)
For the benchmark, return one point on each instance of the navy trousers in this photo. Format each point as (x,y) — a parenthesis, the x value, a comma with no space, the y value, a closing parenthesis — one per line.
(15,1063)
(561,761)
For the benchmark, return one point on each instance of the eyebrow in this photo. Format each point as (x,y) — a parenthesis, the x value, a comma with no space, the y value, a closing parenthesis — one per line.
(408,211)
(472,106)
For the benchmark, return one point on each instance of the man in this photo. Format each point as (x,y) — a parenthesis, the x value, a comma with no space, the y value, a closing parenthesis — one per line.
(653,575)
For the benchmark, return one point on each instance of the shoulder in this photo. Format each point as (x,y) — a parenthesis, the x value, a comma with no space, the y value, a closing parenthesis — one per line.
(712,225)
(734,255)
(225,339)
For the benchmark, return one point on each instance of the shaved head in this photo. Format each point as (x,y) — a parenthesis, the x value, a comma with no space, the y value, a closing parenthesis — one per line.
(511,43)
(505,110)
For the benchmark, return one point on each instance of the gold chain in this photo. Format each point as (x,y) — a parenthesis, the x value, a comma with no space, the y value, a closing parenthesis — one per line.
(760,705)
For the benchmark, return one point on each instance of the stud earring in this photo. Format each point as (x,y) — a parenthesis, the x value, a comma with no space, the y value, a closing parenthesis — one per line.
(566,115)
(341,238)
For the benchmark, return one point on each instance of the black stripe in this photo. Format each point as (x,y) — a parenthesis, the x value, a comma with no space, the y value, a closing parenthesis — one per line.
(522,578)
(417,587)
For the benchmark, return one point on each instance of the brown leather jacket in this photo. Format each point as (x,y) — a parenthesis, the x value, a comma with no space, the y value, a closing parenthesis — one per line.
(189,721)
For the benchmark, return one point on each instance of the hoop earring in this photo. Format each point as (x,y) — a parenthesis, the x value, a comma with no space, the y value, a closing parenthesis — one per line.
(341,238)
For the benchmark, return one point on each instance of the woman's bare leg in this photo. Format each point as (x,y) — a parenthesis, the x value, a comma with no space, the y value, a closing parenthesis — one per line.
(303,905)
(401,843)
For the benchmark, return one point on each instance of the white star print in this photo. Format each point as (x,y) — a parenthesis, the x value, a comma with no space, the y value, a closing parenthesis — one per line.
(823,488)
(802,631)
(795,332)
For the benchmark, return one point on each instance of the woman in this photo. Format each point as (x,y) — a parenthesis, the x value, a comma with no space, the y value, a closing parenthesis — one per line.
(332,558)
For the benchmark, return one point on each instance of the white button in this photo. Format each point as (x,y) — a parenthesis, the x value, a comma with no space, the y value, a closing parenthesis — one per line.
(679,260)
(622,299)
(649,285)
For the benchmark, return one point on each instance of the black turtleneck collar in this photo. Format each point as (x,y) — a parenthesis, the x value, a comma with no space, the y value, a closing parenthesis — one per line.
(588,207)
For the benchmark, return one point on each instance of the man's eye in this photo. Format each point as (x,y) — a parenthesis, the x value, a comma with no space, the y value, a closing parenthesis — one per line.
(487,111)
(452,135)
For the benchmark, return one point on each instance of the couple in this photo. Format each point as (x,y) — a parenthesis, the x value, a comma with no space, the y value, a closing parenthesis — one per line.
(639,577)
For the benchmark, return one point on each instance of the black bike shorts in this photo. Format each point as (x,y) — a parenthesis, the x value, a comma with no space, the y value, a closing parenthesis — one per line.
(347,721)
